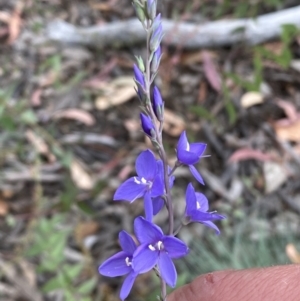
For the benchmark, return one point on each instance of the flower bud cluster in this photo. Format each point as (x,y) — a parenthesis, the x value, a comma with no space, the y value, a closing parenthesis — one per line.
(154,178)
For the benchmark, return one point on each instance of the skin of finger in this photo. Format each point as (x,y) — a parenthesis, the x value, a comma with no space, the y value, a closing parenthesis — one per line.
(278,283)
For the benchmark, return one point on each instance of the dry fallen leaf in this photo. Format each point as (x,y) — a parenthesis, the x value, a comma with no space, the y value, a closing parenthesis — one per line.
(288,131)
(85,229)
(76,114)
(250,99)
(292,253)
(289,109)
(173,124)
(40,145)
(248,154)
(3,208)
(275,175)
(15,23)
(116,93)
(211,72)
(35,99)
(80,176)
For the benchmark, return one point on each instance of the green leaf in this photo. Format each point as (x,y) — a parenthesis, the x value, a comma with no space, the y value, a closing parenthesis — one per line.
(53,284)
(28,117)
(72,271)
(87,287)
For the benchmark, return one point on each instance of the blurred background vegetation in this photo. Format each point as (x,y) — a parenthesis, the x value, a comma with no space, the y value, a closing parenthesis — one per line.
(70,133)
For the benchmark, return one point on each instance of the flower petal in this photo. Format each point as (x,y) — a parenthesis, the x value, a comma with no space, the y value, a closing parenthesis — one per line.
(145,165)
(167,269)
(144,259)
(148,206)
(127,285)
(211,225)
(127,243)
(146,232)
(198,148)
(158,187)
(202,201)
(190,198)
(199,216)
(130,190)
(183,143)
(196,174)
(158,204)
(186,157)
(115,265)
(175,247)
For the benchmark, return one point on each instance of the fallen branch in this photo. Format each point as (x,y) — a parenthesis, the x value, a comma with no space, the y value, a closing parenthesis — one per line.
(187,35)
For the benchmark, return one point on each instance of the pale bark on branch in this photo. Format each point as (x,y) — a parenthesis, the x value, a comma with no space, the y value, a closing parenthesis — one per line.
(187,35)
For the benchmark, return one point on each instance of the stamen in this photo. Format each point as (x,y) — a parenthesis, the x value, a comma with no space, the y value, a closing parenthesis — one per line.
(128,262)
(151,248)
(188,147)
(160,245)
(144,181)
(198,205)
(136,180)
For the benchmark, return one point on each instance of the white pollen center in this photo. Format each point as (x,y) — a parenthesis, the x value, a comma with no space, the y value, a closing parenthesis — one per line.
(128,263)
(159,245)
(198,205)
(188,147)
(151,248)
(137,181)
(144,181)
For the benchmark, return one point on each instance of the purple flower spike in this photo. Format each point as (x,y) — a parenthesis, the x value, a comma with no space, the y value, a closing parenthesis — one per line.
(156,249)
(121,264)
(197,207)
(158,104)
(189,154)
(147,184)
(147,125)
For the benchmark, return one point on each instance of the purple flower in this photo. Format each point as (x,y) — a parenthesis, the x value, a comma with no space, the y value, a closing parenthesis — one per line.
(156,249)
(189,154)
(148,183)
(147,125)
(159,202)
(197,207)
(139,78)
(121,264)
(158,104)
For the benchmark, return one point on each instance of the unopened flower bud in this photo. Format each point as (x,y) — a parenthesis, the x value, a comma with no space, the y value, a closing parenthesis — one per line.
(140,63)
(140,81)
(140,11)
(156,38)
(147,125)
(156,60)
(158,104)
(151,9)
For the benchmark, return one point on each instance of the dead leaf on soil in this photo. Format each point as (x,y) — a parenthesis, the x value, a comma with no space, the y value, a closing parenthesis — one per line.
(85,229)
(40,145)
(15,23)
(288,131)
(211,72)
(243,154)
(35,99)
(116,93)
(173,124)
(3,208)
(275,175)
(289,109)
(80,176)
(250,99)
(76,114)
(292,253)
